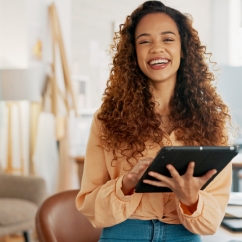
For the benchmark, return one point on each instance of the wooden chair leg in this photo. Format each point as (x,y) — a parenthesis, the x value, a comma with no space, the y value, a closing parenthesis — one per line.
(26,236)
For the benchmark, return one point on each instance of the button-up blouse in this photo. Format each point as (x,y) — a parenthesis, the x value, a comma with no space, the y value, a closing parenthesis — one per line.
(102,201)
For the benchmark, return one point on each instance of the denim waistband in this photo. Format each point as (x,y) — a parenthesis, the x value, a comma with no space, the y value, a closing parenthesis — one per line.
(147,231)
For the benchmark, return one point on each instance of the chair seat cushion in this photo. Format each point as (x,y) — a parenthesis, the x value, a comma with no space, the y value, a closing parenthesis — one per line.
(13,210)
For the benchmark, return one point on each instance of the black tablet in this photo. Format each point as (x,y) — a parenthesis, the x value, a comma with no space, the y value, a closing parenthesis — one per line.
(205,158)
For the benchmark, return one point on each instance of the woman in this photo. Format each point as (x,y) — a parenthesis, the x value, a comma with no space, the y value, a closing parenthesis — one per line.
(159,93)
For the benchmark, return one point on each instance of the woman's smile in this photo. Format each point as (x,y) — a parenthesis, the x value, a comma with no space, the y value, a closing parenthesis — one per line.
(158,63)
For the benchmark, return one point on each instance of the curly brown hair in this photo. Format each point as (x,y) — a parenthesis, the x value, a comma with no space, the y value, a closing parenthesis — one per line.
(128,114)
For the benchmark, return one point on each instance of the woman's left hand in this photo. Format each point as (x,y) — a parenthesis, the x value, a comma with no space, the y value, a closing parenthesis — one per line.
(185,187)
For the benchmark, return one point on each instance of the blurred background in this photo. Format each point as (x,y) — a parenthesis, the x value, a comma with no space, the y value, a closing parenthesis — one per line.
(54,64)
(48,94)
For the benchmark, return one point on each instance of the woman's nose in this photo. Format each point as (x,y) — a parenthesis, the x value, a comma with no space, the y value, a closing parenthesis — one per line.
(157,48)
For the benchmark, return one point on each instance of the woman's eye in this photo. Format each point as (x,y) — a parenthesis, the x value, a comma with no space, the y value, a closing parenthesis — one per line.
(168,40)
(144,42)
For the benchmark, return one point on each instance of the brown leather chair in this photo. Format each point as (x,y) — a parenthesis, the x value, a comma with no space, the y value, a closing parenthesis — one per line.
(58,220)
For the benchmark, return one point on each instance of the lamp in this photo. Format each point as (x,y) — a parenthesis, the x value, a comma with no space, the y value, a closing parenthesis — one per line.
(20,85)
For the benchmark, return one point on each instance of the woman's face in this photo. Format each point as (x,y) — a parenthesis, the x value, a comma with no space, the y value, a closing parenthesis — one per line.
(158,47)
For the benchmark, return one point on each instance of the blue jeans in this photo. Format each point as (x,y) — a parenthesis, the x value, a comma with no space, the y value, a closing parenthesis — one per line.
(147,231)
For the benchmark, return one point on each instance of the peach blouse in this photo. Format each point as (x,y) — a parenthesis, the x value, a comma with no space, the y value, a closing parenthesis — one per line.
(102,201)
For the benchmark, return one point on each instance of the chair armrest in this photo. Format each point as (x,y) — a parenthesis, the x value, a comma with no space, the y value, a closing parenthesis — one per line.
(30,188)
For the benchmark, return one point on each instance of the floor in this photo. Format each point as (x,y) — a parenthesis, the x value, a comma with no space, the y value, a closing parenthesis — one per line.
(17,238)
(13,238)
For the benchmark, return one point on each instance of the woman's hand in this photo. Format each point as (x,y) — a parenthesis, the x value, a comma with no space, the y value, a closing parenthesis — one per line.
(132,177)
(185,187)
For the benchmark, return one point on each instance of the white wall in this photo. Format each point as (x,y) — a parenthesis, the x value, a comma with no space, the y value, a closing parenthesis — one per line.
(226,20)
(201,14)
(235,32)
(13,42)
(1,32)
(22,23)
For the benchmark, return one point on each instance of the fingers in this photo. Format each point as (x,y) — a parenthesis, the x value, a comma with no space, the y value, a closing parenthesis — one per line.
(163,181)
(174,173)
(159,177)
(146,161)
(142,164)
(190,169)
(155,183)
(209,174)
(138,170)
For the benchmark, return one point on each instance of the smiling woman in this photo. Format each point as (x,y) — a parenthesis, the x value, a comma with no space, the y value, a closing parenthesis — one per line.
(160,92)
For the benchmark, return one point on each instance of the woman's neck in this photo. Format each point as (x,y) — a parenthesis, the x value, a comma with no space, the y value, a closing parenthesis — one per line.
(162,97)
(162,107)
(163,93)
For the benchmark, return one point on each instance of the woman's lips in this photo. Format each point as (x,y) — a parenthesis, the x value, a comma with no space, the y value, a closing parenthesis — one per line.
(158,66)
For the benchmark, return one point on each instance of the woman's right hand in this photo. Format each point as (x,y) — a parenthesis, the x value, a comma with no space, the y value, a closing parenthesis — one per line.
(131,178)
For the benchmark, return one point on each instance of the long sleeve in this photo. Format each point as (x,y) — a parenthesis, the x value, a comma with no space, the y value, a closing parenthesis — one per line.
(101,199)
(211,205)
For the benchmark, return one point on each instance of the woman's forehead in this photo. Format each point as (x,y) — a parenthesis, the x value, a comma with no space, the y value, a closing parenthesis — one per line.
(156,21)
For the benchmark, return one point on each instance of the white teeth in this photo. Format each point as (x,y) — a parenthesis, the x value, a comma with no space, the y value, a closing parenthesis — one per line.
(159,61)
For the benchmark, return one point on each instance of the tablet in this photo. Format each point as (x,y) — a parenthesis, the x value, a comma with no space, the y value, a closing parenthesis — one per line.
(205,158)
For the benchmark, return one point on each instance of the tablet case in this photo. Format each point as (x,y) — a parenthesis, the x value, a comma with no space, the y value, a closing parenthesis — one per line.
(205,158)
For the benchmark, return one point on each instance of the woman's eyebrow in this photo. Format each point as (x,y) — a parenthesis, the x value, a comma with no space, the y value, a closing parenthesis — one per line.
(144,34)
(162,33)
(168,32)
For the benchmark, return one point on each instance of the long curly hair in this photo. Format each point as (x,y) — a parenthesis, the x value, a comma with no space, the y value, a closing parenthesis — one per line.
(128,115)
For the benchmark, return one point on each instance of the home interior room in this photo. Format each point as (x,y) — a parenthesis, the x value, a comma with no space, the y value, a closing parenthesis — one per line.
(54,64)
